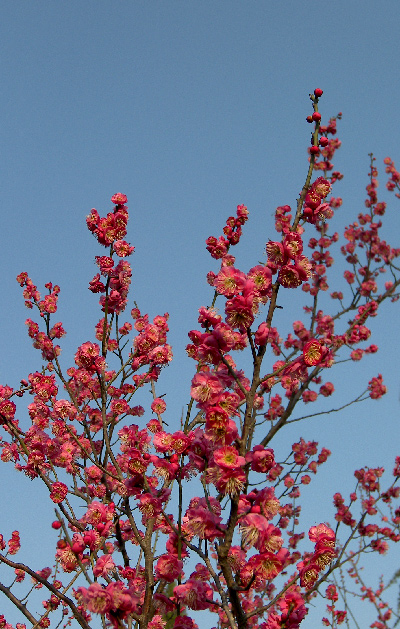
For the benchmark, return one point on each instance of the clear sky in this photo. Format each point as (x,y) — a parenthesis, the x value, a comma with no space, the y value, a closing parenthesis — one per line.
(189,108)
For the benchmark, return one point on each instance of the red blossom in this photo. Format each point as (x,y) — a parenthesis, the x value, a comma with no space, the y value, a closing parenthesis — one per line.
(313,352)
(58,492)
(119,198)
(376,387)
(289,276)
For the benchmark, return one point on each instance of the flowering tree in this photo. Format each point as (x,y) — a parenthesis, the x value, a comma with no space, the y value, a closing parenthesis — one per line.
(143,554)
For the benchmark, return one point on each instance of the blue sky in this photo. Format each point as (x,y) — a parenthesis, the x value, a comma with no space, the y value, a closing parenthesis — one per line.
(190,109)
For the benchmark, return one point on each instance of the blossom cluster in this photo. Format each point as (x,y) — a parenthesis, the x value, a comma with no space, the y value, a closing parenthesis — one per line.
(110,231)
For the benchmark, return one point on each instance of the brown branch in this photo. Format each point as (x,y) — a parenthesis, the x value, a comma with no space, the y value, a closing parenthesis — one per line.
(20,566)
(18,604)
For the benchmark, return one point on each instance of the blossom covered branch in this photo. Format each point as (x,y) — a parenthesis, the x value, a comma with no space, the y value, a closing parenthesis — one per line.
(133,549)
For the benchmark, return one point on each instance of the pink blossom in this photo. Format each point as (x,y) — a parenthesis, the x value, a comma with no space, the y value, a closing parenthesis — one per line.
(313,352)
(158,406)
(106,265)
(252,527)
(123,248)
(309,574)
(229,281)
(327,389)
(200,522)
(276,253)
(321,530)
(205,388)
(268,502)
(58,492)
(261,459)
(195,594)
(104,565)
(289,276)
(157,622)
(96,598)
(376,387)
(169,567)
(119,199)
(239,312)
(231,481)
(227,457)
(262,279)
(265,565)
(224,336)
(261,335)
(14,544)
(293,245)
(88,357)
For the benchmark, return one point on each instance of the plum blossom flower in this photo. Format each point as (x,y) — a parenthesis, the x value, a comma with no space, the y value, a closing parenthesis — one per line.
(266,565)
(261,335)
(252,527)
(157,622)
(322,531)
(205,388)
(58,492)
(321,187)
(268,502)
(229,281)
(276,253)
(123,600)
(119,198)
(303,267)
(194,593)
(158,406)
(239,311)
(309,573)
(14,544)
(228,457)
(163,442)
(376,388)
(202,523)
(104,565)
(261,459)
(327,389)
(224,337)
(67,559)
(106,264)
(293,245)
(313,352)
(96,598)
(168,567)
(262,278)
(289,276)
(230,482)
(323,556)
(88,357)
(184,622)
(123,248)
(7,410)
(293,609)
(96,286)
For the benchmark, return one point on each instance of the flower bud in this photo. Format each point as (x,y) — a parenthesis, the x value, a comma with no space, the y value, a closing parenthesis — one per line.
(78,547)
